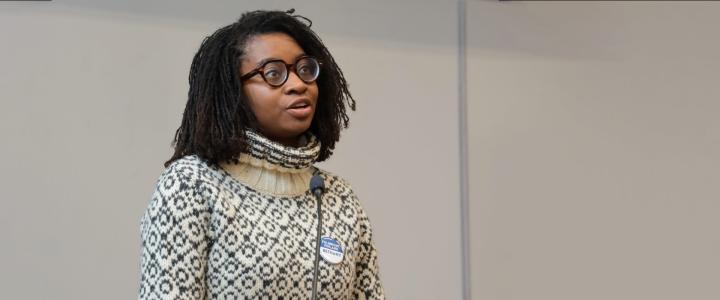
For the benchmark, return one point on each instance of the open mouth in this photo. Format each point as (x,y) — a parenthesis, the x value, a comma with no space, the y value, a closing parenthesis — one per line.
(301,110)
(300,105)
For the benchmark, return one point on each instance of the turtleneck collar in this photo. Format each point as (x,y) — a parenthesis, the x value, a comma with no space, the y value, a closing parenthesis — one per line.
(273,168)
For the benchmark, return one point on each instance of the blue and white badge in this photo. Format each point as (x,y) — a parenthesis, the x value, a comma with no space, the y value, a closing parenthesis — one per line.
(331,250)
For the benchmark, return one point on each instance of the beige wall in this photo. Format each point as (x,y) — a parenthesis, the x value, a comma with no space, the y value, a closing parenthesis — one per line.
(592,141)
(92,91)
(594,148)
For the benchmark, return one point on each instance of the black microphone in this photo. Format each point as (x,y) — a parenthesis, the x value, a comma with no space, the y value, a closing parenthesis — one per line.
(317,187)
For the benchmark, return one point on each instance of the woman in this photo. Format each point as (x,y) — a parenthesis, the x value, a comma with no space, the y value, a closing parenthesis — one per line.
(232,216)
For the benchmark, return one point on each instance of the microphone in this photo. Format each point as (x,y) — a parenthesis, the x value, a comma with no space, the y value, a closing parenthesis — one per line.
(317,187)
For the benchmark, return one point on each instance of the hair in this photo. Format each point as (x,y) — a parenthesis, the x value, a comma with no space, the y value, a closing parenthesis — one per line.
(217,112)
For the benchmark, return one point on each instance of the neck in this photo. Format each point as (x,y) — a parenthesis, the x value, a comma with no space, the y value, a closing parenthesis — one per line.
(293,141)
(268,178)
(274,167)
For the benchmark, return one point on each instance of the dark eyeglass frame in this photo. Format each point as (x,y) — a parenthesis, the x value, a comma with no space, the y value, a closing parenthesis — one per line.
(289,67)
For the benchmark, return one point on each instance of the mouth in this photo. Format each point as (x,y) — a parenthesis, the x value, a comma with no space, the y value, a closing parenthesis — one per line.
(299,104)
(300,109)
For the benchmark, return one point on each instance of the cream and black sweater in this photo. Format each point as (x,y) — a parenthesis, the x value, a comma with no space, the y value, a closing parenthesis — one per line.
(248,230)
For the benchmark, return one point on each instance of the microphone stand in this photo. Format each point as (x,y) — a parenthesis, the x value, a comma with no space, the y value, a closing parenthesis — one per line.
(317,187)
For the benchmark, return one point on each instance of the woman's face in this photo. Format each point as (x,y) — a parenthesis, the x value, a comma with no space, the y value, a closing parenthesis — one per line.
(278,110)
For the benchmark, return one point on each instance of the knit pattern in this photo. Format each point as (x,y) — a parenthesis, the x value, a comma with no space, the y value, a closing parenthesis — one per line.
(206,235)
(276,154)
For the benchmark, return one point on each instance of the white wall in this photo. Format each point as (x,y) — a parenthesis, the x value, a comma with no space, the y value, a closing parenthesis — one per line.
(92,91)
(594,149)
(593,141)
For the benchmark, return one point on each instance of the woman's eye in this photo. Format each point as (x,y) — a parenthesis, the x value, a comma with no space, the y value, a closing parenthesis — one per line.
(272,74)
(304,70)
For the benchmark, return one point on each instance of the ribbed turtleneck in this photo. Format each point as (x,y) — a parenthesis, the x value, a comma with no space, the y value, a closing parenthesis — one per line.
(273,168)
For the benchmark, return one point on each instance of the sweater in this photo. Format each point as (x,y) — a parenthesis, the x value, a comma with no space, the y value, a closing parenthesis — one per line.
(248,230)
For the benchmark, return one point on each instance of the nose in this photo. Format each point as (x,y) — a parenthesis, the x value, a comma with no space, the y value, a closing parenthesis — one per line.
(294,84)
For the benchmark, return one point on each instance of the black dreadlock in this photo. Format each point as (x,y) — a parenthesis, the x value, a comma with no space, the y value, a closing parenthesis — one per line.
(217,112)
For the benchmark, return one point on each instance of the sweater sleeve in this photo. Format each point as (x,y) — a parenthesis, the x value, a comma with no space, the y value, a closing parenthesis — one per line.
(367,271)
(174,238)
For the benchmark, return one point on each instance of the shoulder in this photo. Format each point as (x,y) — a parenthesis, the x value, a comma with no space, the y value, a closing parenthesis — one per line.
(189,175)
(339,186)
(186,166)
(182,202)
(333,180)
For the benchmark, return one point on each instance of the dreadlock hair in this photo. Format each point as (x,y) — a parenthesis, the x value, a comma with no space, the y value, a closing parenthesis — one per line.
(217,112)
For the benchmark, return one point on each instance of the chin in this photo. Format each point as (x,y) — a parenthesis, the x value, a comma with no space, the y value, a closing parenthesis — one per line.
(301,127)
(295,131)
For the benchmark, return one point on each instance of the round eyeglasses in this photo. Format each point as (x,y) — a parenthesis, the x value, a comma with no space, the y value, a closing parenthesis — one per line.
(275,72)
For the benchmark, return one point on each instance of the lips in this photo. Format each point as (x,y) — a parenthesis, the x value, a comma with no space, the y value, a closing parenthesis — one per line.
(300,108)
(300,103)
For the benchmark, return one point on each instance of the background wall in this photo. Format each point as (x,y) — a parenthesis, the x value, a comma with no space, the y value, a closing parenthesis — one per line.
(594,149)
(593,141)
(92,92)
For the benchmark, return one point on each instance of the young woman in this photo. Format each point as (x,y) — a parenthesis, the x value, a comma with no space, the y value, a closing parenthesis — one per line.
(232,216)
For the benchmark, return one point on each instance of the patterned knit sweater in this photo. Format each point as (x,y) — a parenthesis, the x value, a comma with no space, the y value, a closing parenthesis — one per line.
(248,230)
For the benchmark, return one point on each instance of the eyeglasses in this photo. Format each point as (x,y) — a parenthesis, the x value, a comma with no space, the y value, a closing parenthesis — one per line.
(275,72)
